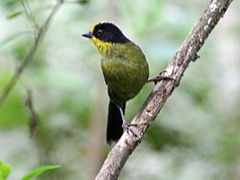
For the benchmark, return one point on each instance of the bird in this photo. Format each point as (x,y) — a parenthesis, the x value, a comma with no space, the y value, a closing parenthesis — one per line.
(125,70)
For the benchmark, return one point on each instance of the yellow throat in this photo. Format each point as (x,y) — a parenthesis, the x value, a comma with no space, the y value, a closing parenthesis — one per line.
(102,47)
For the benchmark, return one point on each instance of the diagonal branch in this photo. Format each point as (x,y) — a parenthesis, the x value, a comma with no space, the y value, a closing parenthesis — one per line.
(155,101)
(32,51)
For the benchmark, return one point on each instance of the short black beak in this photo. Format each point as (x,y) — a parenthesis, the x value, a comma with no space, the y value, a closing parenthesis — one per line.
(87,35)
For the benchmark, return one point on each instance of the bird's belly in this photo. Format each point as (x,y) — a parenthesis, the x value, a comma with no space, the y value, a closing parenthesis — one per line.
(124,79)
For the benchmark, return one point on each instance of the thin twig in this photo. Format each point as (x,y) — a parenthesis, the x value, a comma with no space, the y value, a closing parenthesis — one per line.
(155,101)
(29,14)
(28,58)
(28,102)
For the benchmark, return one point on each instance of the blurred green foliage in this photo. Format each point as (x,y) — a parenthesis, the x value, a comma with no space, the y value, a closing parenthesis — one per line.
(195,136)
(39,171)
(5,170)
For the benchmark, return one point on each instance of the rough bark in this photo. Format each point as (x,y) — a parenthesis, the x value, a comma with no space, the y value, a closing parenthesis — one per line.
(155,101)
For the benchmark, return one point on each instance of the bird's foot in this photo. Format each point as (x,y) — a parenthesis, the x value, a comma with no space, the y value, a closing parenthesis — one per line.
(128,129)
(160,77)
(126,125)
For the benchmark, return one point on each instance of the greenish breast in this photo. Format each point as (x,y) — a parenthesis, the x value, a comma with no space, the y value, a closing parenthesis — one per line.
(125,71)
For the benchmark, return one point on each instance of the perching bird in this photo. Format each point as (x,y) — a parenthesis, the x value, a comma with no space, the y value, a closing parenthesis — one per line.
(125,71)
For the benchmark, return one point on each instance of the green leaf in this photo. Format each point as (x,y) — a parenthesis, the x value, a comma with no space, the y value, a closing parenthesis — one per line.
(11,16)
(9,3)
(5,170)
(83,2)
(38,171)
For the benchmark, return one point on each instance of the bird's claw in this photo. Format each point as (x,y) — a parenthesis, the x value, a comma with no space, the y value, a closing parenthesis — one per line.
(127,127)
(160,77)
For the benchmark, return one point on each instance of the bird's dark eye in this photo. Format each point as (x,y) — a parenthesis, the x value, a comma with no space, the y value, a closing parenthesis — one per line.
(99,32)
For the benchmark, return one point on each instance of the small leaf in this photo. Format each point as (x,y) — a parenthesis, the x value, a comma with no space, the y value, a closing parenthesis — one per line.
(83,2)
(38,171)
(5,170)
(11,16)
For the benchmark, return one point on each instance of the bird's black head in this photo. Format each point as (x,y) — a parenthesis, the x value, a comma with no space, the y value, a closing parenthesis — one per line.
(107,32)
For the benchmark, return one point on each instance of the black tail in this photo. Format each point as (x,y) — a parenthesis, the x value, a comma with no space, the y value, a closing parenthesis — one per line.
(114,127)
